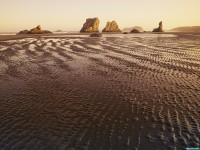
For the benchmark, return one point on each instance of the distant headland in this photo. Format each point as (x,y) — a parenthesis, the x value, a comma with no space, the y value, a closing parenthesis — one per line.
(186,29)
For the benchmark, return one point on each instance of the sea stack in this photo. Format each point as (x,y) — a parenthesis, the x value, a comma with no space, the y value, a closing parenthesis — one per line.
(159,29)
(111,27)
(91,25)
(37,30)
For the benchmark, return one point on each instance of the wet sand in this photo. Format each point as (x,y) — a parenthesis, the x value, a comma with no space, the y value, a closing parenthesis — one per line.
(115,92)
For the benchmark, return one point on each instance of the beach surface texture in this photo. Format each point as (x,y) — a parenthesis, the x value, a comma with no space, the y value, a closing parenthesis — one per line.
(119,92)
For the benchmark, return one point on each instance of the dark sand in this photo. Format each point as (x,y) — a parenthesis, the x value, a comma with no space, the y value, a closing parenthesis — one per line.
(116,92)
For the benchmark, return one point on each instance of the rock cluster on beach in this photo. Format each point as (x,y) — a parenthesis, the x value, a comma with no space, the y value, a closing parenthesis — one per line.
(159,29)
(111,27)
(36,30)
(91,25)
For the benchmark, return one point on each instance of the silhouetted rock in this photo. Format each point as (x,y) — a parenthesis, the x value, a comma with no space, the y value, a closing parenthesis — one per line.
(134,31)
(36,30)
(91,25)
(111,27)
(140,29)
(159,29)
(96,35)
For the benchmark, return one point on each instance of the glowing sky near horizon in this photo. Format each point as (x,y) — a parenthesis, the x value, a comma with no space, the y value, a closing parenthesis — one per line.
(69,15)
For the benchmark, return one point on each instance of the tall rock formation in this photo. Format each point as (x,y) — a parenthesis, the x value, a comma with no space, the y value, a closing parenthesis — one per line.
(111,27)
(91,25)
(159,29)
(37,30)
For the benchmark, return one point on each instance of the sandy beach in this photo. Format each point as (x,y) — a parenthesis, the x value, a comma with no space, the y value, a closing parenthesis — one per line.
(118,92)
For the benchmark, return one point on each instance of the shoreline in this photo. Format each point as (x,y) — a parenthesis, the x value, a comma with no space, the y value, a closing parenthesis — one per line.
(15,37)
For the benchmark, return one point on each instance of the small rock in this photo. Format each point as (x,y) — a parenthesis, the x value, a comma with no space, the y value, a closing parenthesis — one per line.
(96,35)
(125,33)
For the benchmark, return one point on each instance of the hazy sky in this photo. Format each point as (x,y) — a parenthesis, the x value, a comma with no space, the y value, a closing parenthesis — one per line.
(69,15)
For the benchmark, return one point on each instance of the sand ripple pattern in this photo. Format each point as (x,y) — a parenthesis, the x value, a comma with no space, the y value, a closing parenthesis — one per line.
(118,93)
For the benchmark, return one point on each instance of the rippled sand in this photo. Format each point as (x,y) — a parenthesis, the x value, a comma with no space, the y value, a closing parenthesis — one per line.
(120,92)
